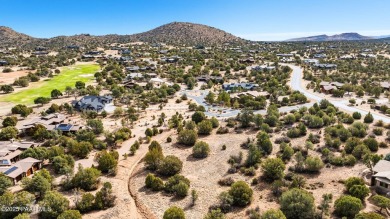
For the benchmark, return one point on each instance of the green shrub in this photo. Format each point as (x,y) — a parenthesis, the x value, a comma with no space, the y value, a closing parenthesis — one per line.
(174,213)
(241,193)
(200,150)
(359,191)
(368,118)
(170,166)
(273,168)
(347,206)
(273,214)
(313,164)
(369,215)
(357,115)
(205,127)
(187,137)
(297,204)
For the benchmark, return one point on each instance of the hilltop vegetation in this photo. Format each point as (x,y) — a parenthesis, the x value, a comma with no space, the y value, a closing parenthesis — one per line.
(176,33)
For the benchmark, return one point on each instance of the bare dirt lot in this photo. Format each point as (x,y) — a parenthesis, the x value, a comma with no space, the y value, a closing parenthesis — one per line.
(205,173)
(9,78)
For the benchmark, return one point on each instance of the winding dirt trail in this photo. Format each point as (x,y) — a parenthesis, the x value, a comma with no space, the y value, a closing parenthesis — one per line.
(128,204)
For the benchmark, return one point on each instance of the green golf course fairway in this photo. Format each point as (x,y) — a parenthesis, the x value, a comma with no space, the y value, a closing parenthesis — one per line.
(68,77)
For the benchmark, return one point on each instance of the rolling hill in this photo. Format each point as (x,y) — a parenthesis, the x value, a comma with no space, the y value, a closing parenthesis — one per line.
(186,33)
(337,37)
(176,33)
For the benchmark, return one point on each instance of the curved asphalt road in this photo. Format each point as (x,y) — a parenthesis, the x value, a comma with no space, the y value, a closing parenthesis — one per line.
(296,84)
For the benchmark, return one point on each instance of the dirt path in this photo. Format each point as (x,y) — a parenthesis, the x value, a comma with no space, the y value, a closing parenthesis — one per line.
(128,205)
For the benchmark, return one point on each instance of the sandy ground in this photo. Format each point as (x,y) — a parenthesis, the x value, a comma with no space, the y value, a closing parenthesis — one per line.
(205,173)
(9,78)
(127,206)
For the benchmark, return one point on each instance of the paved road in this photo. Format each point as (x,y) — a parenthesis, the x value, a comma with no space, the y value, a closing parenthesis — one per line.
(296,84)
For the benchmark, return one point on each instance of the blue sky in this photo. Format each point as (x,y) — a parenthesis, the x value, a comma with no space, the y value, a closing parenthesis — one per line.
(250,19)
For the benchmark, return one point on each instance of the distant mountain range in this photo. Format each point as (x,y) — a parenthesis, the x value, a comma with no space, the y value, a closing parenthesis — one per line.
(177,33)
(337,37)
(382,37)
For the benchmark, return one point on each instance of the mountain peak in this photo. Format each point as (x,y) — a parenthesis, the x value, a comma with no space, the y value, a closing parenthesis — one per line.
(187,33)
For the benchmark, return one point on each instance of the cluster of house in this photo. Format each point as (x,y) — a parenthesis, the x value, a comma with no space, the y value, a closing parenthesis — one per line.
(142,79)
(328,87)
(137,68)
(54,121)
(10,163)
(363,55)
(90,55)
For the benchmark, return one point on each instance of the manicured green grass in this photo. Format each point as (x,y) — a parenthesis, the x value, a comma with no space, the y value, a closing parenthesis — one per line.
(67,77)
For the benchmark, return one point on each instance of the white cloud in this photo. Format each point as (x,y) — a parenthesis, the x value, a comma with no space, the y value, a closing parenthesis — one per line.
(288,35)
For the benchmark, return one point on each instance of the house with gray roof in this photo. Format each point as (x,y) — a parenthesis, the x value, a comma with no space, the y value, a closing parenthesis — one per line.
(326,66)
(3,63)
(385,85)
(319,56)
(311,61)
(285,55)
(380,178)
(132,68)
(95,103)
(22,168)
(328,87)
(262,67)
(48,121)
(10,151)
(244,86)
